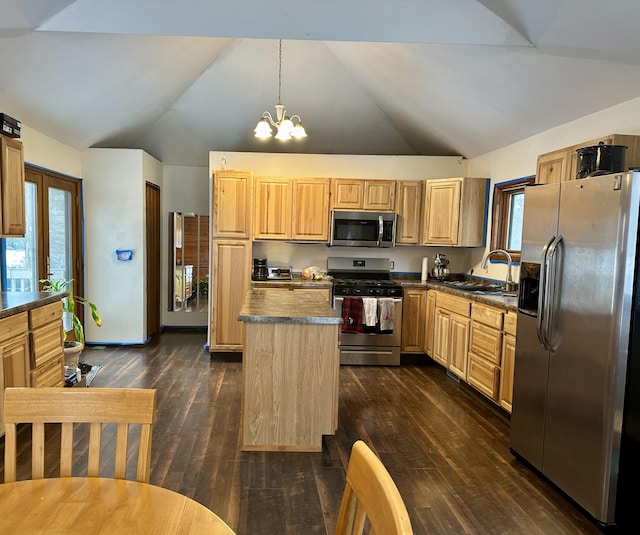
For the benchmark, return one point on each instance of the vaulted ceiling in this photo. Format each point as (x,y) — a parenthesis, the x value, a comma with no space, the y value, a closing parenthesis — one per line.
(406,77)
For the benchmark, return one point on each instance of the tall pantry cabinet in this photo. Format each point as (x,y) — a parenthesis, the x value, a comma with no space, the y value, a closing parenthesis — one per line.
(230,257)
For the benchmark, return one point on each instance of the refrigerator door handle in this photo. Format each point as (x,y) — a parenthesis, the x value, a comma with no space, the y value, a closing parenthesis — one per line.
(551,290)
(542,295)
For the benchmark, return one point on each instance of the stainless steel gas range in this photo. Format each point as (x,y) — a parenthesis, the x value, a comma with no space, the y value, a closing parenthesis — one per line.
(370,304)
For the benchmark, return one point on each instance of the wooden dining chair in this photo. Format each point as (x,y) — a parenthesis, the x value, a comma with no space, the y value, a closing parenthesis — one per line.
(68,406)
(370,498)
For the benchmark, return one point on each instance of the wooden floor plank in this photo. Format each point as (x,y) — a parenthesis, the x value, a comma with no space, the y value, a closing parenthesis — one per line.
(445,445)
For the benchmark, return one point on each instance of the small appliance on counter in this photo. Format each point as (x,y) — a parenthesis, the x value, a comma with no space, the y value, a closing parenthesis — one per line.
(441,269)
(260,272)
(279,272)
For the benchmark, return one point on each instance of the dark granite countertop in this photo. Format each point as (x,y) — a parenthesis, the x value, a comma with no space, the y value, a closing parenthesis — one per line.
(16,302)
(264,306)
(296,282)
(509,303)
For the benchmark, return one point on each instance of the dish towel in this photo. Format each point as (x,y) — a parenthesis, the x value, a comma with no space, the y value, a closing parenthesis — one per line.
(370,305)
(386,313)
(352,315)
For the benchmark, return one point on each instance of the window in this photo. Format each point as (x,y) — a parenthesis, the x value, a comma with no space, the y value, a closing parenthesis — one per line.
(508,208)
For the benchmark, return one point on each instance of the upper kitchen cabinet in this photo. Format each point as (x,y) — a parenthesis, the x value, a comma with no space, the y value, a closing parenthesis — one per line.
(455,212)
(357,194)
(409,209)
(272,208)
(310,221)
(562,164)
(232,204)
(12,210)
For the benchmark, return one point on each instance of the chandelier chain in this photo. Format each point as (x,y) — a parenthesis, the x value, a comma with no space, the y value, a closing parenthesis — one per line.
(280,71)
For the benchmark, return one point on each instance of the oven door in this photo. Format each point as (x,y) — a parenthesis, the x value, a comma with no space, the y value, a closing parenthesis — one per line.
(373,339)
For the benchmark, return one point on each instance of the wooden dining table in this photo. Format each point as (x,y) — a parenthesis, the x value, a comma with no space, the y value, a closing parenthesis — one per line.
(101,506)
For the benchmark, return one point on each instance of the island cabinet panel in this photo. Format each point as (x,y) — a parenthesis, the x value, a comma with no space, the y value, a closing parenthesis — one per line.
(12,202)
(232,204)
(290,386)
(272,208)
(14,349)
(46,340)
(310,207)
(231,260)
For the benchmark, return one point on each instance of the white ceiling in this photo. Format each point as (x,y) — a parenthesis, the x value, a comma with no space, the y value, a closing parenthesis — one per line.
(408,77)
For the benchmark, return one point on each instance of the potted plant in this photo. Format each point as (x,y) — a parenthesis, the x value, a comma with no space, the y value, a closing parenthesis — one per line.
(70,321)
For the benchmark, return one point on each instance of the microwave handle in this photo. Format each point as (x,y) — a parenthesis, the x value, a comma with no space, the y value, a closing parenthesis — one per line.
(380,230)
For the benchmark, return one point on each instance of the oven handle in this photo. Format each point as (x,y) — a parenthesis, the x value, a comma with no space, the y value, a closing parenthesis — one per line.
(341,298)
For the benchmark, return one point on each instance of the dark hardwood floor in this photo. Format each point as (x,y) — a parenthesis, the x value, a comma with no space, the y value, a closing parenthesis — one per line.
(445,446)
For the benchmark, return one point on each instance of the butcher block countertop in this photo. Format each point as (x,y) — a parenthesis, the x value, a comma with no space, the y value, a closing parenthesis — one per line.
(16,302)
(264,306)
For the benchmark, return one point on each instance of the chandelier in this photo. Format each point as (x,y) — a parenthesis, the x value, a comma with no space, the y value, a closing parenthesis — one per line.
(287,126)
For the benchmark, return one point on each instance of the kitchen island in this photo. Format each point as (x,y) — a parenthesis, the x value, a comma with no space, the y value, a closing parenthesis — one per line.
(290,369)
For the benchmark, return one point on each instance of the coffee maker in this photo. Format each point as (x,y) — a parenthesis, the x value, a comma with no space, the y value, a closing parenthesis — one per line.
(260,271)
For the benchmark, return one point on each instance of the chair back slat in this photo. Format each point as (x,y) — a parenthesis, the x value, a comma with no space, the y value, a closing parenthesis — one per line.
(37,451)
(121,450)
(66,450)
(378,501)
(94,406)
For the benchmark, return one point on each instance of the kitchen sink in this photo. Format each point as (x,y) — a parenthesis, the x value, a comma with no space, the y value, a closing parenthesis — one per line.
(475,286)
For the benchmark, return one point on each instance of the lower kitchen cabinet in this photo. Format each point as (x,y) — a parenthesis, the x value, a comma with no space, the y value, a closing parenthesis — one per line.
(508,361)
(430,320)
(485,351)
(231,263)
(413,320)
(451,333)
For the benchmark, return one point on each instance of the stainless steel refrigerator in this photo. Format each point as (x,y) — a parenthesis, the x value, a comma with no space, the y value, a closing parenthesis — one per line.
(576,408)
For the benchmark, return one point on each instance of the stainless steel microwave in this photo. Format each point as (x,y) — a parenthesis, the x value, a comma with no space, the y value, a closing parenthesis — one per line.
(363,229)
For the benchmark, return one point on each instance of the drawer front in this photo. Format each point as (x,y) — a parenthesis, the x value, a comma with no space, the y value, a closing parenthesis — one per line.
(484,376)
(45,314)
(486,342)
(46,344)
(487,315)
(51,374)
(510,323)
(454,304)
(13,326)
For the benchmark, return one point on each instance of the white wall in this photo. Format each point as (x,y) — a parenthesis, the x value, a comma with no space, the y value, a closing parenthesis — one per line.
(46,152)
(185,189)
(519,160)
(114,207)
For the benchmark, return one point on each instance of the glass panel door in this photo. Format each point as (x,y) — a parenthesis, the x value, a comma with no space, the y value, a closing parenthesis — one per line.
(60,234)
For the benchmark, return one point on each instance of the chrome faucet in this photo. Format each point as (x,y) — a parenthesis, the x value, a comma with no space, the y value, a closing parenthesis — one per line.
(509,285)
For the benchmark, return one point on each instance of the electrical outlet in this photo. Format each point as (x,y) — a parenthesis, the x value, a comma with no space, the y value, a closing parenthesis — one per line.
(392,264)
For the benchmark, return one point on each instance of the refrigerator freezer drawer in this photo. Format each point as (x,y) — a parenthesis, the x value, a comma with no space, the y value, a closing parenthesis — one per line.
(485,376)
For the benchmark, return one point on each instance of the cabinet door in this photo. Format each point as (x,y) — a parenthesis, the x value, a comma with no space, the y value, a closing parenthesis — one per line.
(347,194)
(12,207)
(232,204)
(459,345)
(379,195)
(441,337)
(430,322)
(310,209)
(231,260)
(272,208)
(413,320)
(552,167)
(408,207)
(442,212)
(486,342)
(506,373)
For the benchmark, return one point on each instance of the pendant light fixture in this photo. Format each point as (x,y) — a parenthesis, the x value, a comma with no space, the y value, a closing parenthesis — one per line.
(287,126)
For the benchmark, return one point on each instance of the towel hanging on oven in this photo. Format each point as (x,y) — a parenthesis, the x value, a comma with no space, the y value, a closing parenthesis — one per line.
(352,315)
(385,305)
(370,306)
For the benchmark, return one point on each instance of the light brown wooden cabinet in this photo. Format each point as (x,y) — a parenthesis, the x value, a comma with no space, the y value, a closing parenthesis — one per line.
(562,164)
(361,194)
(485,350)
(310,206)
(430,320)
(272,208)
(12,205)
(451,333)
(409,210)
(454,212)
(508,361)
(414,309)
(230,261)
(232,206)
